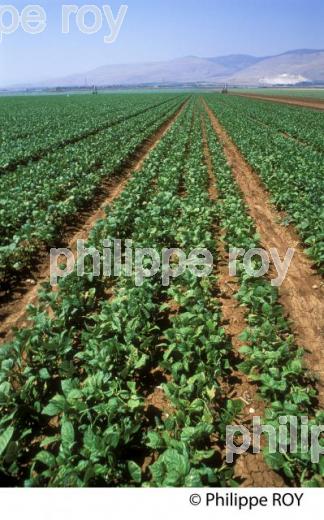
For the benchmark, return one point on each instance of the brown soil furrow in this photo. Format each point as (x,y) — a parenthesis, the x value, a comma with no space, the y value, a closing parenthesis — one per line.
(13,312)
(306,103)
(302,293)
(250,468)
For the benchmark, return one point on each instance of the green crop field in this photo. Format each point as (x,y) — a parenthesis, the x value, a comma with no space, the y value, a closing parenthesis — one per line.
(63,149)
(285,145)
(107,382)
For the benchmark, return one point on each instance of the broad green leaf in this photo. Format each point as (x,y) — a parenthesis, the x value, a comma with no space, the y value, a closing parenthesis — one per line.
(5,438)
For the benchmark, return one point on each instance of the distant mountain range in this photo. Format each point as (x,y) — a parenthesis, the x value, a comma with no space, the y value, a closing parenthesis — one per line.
(290,68)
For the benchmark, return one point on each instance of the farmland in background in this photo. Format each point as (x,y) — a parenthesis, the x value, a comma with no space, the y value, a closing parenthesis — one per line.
(306,93)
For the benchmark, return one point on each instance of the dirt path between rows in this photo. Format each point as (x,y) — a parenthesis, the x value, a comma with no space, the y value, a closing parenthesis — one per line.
(13,312)
(302,293)
(306,103)
(250,468)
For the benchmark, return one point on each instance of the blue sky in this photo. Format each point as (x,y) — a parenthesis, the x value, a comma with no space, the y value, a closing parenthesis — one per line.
(161,29)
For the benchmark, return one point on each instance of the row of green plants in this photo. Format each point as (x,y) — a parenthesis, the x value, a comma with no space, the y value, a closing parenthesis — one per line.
(303,124)
(38,125)
(72,413)
(190,440)
(39,198)
(74,386)
(293,173)
(186,443)
(270,356)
